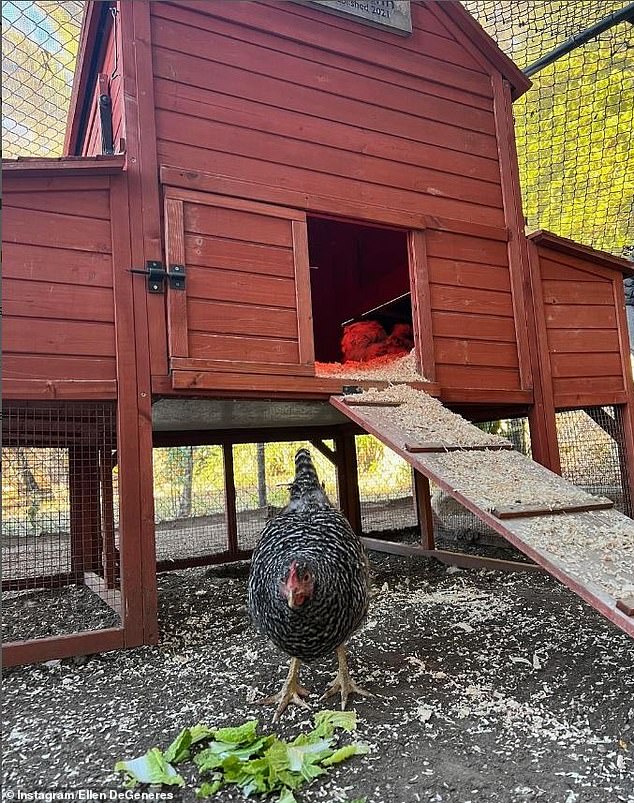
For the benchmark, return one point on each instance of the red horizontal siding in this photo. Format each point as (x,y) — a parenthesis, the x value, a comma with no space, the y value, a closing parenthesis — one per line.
(581,327)
(58,321)
(296,100)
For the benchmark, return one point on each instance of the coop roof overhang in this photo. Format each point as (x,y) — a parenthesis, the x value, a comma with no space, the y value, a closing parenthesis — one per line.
(37,167)
(550,240)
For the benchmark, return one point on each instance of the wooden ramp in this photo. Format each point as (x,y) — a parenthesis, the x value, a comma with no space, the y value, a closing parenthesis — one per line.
(578,538)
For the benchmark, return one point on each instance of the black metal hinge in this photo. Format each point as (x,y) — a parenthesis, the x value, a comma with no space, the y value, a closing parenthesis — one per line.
(156,276)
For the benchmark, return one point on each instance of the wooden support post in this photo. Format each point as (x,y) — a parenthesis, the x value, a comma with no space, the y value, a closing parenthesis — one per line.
(325,450)
(106,467)
(422,494)
(231,516)
(348,480)
(85,520)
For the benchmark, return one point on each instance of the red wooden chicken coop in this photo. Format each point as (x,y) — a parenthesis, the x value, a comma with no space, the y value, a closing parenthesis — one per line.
(241,180)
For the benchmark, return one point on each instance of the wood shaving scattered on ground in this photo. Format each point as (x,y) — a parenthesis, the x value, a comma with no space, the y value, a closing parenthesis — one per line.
(384,369)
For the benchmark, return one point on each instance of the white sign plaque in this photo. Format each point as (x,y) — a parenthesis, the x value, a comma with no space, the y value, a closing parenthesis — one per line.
(395,15)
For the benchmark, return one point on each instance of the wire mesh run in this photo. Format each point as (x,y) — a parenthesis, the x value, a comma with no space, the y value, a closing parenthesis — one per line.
(189,502)
(262,474)
(593,455)
(60,566)
(386,489)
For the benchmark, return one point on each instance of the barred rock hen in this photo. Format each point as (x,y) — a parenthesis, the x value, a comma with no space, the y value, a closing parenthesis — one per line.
(308,586)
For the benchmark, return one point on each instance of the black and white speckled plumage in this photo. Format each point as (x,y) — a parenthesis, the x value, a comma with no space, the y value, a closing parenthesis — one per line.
(319,538)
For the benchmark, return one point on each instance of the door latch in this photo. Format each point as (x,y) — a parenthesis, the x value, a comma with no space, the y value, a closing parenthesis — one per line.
(156,276)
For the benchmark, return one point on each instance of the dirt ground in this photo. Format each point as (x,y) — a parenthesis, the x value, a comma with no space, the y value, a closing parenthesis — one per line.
(489,687)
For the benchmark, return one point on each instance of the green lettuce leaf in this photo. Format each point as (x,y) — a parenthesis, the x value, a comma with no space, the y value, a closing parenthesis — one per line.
(349,750)
(179,750)
(243,734)
(152,768)
(209,788)
(286,796)
(327,721)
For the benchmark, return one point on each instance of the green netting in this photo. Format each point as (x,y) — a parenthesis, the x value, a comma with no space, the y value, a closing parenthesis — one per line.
(574,127)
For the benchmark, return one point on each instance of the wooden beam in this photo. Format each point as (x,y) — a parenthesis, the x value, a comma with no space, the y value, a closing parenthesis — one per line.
(530,511)
(231,516)
(327,452)
(348,480)
(15,653)
(422,495)
(456,447)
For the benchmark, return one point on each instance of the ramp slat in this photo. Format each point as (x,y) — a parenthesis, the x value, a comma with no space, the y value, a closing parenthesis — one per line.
(455,447)
(527,511)
(591,552)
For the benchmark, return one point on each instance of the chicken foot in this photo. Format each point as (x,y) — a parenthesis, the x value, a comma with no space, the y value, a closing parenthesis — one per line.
(291,692)
(343,682)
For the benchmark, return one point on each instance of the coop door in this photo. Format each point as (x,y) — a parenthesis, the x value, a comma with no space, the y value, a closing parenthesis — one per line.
(244,305)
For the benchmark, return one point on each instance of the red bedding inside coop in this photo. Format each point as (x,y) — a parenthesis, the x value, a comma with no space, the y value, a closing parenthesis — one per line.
(359,275)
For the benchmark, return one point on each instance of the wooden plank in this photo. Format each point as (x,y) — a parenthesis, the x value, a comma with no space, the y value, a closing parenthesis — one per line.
(572,391)
(393,146)
(177,307)
(352,208)
(469,274)
(31,227)
(39,299)
(303,303)
(15,653)
(476,376)
(217,252)
(233,366)
(234,224)
(308,182)
(422,495)
(301,69)
(421,307)
(229,318)
(54,581)
(475,352)
(487,399)
(466,299)
(58,389)
(625,414)
(332,33)
(572,316)
(529,511)
(423,448)
(55,368)
(564,292)
(58,184)
(465,248)
(64,167)
(134,48)
(514,218)
(317,50)
(473,326)
(47,336)
(74,202)
(47,263)
(593,593)
(584,341)
(351,401)
(555,270)
(348,480)
(136,497)
(253,349)
(542,419)
(626,604)
(347,163)
(586,365)
(240,287)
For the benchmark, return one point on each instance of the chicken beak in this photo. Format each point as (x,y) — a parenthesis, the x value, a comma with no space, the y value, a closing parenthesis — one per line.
(291,598)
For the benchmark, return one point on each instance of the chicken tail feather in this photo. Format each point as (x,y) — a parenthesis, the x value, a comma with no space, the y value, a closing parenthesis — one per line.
(306,489)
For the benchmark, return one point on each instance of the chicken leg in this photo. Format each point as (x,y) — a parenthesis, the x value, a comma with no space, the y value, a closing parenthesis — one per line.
(343,682)
(291,692)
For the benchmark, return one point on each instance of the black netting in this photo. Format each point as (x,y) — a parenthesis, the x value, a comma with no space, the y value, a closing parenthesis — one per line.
(574,126)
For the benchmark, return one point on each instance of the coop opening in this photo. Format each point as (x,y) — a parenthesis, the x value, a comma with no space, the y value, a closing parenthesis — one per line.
(361,298)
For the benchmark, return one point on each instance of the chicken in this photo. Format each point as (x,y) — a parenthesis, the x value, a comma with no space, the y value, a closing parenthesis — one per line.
(308,585)
(357,337)
(401,338)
